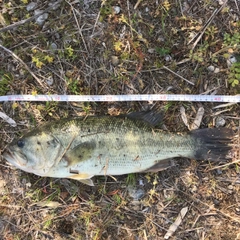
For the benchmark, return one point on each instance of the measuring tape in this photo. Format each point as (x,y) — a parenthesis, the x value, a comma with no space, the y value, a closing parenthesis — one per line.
(122,98)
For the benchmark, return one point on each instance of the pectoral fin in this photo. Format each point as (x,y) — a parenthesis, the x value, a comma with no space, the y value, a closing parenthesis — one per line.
(83,177)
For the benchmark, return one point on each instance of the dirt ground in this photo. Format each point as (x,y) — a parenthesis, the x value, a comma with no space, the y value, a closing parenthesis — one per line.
(121,47)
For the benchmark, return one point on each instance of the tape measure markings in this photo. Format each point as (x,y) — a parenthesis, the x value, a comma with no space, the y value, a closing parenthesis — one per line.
(123,98)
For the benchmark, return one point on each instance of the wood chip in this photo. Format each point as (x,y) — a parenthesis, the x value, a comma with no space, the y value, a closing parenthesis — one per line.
(198,119)
(8,119)
(176,224)
(184,117)
(49,204)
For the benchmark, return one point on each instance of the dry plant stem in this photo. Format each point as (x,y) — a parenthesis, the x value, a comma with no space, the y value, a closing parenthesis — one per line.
(206,25)
(17,24)
(210,91)
(23,63)
(96,21)
(79,29)
(178,75)
(137,4)
(180,5)
(231,117)
(225,165)
(220,112)
(236,5)
(129,19)
(238,141)
(224,105)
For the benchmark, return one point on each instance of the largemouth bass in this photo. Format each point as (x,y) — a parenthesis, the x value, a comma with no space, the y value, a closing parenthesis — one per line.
(82,148)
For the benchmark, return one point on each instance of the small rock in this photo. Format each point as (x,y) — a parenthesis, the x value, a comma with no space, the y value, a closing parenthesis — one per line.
(57,35)
(232,59)
(114,60)
(41,19)
(218,171)
(53,46)
(211,68)
(151,50)
(216,202)
(216,70)
(141,183)
(168,58)
(161,39)
(104,44)
(28,185)
(54,5)
(194,189)
(221,2)
(146,9)
(220,122)
(116,9)
(50,81)
(135,193)
(31,6)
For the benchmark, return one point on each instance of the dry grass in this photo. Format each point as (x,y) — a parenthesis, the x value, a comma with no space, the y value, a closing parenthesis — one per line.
(86,47)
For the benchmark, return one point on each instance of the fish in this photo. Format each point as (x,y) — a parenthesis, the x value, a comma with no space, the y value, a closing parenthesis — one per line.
(80,148)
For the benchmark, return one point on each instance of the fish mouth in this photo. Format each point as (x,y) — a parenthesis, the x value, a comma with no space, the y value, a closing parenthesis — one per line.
(19,160)
(14,158)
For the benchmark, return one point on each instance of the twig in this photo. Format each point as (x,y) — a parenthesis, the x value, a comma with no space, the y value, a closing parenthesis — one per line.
(23,63)
(17,24)
(178,75)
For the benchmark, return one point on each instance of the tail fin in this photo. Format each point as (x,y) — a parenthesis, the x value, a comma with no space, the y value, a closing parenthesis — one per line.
(214,144)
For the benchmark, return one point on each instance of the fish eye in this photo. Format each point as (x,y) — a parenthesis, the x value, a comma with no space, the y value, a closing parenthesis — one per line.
(21,143)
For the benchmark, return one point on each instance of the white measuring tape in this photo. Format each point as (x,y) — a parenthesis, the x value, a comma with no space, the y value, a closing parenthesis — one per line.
(122,98)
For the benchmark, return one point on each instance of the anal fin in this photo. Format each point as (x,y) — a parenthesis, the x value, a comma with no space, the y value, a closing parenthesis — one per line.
(87,181)
(83,178)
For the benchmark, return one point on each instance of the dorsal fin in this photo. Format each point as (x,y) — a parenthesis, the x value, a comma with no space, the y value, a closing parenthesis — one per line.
(152,117)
